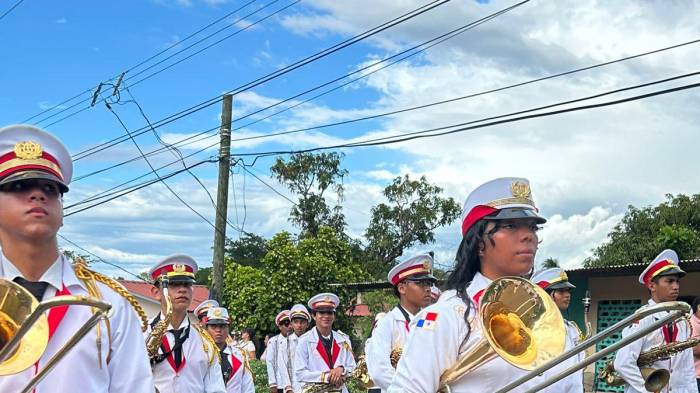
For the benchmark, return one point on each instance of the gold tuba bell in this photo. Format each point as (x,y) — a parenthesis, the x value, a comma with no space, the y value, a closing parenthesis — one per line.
(24,329)
(520,323)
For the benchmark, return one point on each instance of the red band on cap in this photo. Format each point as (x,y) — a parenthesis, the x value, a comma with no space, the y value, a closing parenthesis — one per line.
(660,265)
(9,164)
(169,269)
(543,284)
(407,272)
(475,214)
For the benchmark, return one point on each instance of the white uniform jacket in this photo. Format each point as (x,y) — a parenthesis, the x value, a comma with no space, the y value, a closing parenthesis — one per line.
(120,365)
(573,383)
(311,364)
(240,380)
(391,332)
(285,364)
(680,365)
(198,371)
(271,355)
(438,336)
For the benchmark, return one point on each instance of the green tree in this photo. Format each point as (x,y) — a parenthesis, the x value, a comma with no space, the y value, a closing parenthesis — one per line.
(550,262)
(644,232)
(291,272)
(249,250)
(310,176)
(203,276)
(415,209)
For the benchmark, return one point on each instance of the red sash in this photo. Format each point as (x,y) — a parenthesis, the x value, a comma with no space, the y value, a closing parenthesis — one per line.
(235,366)
(171,356)
(56,315)
(668,337)
(334,353)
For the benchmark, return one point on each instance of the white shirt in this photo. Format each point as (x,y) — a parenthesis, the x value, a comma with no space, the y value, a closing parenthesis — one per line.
(311,364)
(436,346)
(271,360)
(81,370)
(572,383)
(197,374)
(390,333)
(680,365)
(285,363)
(240,380)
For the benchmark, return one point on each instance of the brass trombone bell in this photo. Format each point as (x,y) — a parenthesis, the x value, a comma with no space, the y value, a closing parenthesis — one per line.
(655,379)
(16,304)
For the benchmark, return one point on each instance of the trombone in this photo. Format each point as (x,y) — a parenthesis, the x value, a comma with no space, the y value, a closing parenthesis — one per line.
(677,310)
(24,329)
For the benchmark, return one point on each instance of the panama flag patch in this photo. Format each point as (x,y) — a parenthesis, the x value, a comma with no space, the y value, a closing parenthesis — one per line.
(428,322)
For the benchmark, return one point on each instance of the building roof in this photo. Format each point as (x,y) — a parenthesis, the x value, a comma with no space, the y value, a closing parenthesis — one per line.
(689,265)
(359,310)
(142,290)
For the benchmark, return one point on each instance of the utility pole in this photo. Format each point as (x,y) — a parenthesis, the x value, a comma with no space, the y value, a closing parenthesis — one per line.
(222,198)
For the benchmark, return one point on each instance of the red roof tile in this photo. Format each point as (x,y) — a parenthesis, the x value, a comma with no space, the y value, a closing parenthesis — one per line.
(200,293)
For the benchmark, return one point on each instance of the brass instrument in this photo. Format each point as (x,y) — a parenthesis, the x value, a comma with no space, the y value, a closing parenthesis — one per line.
(654,379)
(155,337)
(677,310)
(520,323)
(24,329)
(360,374)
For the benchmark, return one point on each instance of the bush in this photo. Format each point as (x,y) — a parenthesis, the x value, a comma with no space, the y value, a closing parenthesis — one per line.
(260,372)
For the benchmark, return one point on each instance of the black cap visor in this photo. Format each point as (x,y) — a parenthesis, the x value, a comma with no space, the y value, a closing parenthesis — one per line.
(421,277)
(561,285)
(674,271)
(516,213)
(180,279)
(33,174)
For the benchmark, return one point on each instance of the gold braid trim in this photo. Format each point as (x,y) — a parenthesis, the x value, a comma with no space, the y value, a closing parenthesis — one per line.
(85,274)
(246,363)
(207,339)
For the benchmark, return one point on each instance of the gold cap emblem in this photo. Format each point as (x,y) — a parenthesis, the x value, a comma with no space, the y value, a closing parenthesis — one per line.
(217,312)
(178,267)
(426,265)
(520,190)
(563,276)
(327,298)
(28,150)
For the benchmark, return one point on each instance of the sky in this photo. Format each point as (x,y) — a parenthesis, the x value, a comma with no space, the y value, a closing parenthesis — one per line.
(585,167)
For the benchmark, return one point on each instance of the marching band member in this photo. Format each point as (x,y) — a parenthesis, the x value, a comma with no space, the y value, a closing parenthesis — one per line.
(499,229)
(556,283)
(273,373)
(412,280)
(35,171)
(300,319)
(188,358)
(201,310)
(234,366)
(324,355)
(662,279)
(435,293)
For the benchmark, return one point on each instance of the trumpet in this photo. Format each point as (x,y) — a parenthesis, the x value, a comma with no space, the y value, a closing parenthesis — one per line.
(677,310)
(24,330)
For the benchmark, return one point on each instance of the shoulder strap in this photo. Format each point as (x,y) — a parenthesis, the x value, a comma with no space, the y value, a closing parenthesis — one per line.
(89,277)
(208,344)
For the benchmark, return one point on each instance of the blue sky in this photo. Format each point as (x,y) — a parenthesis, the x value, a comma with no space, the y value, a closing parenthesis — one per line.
(586,168)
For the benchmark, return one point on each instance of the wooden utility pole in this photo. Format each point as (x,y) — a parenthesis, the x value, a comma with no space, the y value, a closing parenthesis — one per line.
(222,198)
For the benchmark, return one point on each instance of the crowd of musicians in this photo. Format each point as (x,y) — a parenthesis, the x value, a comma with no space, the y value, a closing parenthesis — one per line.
(410,347)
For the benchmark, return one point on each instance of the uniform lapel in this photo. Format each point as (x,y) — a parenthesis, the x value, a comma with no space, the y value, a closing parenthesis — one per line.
(335,353)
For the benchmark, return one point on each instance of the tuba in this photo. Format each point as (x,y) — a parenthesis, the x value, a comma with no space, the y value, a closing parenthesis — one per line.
(521,324)
(24,329)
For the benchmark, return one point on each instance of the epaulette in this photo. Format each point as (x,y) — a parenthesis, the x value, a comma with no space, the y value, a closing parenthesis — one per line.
(208,344)
(89,277)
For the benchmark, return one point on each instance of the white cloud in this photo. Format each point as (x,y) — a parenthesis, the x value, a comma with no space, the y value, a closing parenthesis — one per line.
(61,21)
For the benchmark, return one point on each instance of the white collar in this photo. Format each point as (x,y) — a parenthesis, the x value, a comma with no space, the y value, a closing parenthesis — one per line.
(479,283)
(185,323)
(53,276)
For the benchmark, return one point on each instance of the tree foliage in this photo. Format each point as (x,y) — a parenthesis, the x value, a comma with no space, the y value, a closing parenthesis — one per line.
(644,232)
(549,263)
(414,210)
(249,250)
(291,272)
(310,176)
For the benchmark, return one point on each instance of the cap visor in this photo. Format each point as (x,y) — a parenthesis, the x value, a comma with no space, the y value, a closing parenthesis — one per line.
(217,322)
(420,277)
(562,285)
(27,175)
(675,271)
(180,279)
(516,213)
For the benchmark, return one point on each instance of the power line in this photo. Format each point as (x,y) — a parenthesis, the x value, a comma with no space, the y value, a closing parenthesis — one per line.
(390,113)
(422,133)
(174,45)
(455,99)
(4,14)
(268,77)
